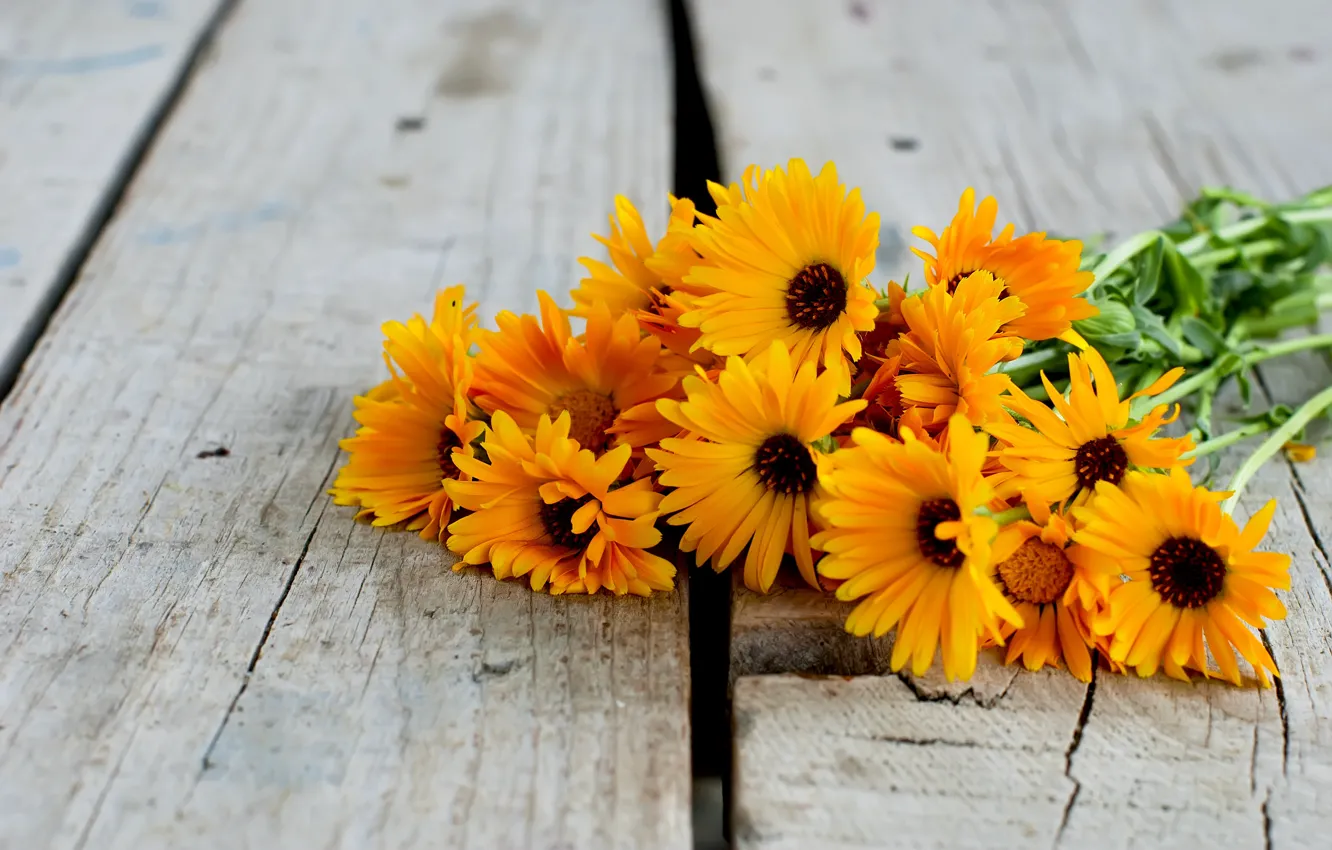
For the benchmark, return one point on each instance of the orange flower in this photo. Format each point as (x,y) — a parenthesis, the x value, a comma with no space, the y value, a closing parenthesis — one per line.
(549,511)
(1043,273)
(531,369)
(1088,436)
(950,349)
(416,425)
(1039,574)
(786,260)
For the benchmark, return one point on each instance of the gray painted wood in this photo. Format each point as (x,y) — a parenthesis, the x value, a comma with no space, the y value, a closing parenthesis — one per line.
(1080,119)
(199,650)
(81,87)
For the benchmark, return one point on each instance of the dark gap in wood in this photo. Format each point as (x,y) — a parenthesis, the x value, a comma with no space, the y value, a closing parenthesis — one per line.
(695,162)
(696,158)
(110,202)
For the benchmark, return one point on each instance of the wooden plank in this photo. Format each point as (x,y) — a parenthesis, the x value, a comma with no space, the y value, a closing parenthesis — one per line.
(1083,119)
(796,629)
(197,649)
(82,86)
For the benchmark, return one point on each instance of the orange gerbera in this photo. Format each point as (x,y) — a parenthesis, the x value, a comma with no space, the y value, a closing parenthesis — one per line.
(950,347)
(1038,572)
(1043,273)
(902,530)
(1192,576)
(1088,437)
(531,369)
(786,260)
(672,262)
(745,471)
(415,425)
(638,268)
(546,509)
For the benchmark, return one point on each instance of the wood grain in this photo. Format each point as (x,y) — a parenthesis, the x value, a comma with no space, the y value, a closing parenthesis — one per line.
(82,85)
(196,649)
(1082,120)
(796,629)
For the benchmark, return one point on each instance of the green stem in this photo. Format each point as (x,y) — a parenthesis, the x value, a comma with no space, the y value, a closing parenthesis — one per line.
(1012,515)
(1033,363)
(1190,385)
(1249,225)
(1228,439)
(1249,252)
(1274,323)
(1122,254)
(1273,444)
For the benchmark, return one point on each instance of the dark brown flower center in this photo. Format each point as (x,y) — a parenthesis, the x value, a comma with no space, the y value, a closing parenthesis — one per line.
(448,441)
(1038,572)
(942,552)
(785,464)
(590,415)
(956,279)
(816,296)
(557,519)
(1187,572)
(1102,459)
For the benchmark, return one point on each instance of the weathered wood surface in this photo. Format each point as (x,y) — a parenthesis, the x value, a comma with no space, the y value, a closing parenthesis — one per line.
(1082,119)
(81,87)
(796,629)
(197,650)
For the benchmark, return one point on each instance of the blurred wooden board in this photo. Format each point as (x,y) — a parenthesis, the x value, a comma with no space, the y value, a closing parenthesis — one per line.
(82,87)
(198,649)
(1080,119)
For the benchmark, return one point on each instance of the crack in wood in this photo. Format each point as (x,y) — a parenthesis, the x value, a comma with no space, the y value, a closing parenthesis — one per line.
(206,762)
(1298,490)
(924,694)
(1281,706)
(1267,822)
(1076,741)
(918,742)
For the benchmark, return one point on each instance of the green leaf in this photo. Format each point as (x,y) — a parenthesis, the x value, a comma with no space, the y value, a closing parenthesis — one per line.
(1148,272)
(1113,318)
(1151,325)
(1191,292)
(1234,196)
(1202,336)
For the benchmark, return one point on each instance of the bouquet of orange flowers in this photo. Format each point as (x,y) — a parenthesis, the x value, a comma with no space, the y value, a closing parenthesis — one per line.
(983,460)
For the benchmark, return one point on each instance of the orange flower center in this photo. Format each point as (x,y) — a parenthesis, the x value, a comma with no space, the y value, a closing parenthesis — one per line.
(590,415)
(942,552)
(1102,459)
(448,441)
(1187,572)
(816,297)
(1038,572)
